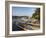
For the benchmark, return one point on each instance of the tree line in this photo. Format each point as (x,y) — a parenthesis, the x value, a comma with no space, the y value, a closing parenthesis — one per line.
(36,15)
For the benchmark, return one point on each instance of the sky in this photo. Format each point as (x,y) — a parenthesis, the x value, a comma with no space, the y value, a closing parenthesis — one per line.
(23,11)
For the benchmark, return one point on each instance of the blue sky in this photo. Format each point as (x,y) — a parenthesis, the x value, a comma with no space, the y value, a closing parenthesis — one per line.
(23,11)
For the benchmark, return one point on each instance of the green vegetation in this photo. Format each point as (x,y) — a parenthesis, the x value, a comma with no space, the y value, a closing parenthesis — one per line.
(36,15)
